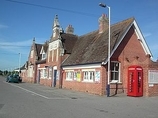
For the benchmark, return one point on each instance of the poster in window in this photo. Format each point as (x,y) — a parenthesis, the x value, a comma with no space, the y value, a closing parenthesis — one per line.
(97,76)
(78,76)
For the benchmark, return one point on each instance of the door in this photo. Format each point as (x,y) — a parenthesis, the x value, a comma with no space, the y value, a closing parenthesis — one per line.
(55,78)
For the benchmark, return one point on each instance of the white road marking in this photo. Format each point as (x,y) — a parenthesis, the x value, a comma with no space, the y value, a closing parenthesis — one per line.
(34,93)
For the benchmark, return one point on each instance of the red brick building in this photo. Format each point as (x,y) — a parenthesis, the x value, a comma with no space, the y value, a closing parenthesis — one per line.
(80,62)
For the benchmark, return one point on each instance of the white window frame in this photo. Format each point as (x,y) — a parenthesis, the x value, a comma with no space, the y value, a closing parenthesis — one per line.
(115,70)
(43,73)
(43,55)
(50,73)
(88,76)
(75,75)
(70,75)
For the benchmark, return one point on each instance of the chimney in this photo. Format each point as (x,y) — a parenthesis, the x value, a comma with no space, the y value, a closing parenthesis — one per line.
(103,23)
(69,29)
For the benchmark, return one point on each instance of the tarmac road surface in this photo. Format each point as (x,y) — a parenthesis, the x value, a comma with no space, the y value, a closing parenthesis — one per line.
(26,100)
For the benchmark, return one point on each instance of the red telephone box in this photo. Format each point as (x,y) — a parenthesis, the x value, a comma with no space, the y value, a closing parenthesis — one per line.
(135,81)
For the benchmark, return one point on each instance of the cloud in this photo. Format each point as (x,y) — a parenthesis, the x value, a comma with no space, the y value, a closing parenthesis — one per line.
(16,47)
(19,46)
(147,34)
(3,26)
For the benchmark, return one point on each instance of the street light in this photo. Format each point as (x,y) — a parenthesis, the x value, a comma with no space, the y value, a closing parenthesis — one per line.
(108,83)
(19,62)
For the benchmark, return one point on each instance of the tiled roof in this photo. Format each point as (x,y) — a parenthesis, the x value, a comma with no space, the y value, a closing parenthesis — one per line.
(68,41)
(93,47)
(41,61)
(38,49)
(45,47)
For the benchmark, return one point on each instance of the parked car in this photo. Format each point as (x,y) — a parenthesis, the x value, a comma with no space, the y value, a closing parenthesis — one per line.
(14,78)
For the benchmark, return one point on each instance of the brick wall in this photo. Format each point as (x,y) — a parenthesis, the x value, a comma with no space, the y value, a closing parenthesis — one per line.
(130,52)
(46,82)
(90,87)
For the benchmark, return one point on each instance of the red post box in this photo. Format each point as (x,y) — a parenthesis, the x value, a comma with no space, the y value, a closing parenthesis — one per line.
(135,81)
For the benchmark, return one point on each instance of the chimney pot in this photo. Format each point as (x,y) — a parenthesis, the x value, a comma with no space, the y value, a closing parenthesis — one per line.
(103,23)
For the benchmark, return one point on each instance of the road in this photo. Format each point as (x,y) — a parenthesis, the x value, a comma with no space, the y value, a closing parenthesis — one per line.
(26,100)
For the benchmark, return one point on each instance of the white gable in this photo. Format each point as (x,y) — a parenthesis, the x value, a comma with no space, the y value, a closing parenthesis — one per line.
(140,38)
(42,51)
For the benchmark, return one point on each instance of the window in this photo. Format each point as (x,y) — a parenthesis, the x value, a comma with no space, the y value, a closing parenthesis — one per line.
(43,55)
(115,72)
(50,73)
(43,73)
(88,76)
(75,75)
(69,75)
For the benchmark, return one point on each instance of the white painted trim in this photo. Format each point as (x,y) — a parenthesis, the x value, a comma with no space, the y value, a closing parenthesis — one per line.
(54,67)
(92,69)
(68,79)
(90,81)
(57,54)
(69,70)
(41,50)
(52,55)
(48,55)
(88,66)
(53,45)
(143,42)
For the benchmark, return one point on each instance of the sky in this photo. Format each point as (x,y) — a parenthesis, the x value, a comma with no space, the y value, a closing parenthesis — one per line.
(22,20)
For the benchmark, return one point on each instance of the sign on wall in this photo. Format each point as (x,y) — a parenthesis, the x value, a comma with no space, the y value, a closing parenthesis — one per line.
(97,76)
(153,76)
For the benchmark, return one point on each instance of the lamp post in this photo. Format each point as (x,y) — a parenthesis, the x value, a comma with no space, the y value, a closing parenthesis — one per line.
(19,62)
(108,83)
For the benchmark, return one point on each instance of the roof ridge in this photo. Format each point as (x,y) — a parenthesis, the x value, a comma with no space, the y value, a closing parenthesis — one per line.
(131,18)
(89,33)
